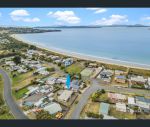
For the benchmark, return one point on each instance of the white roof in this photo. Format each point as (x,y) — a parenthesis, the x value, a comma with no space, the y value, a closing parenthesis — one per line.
(53,108)
(121,105)
(149,80)
(65,95)
(138,79)
(131,100)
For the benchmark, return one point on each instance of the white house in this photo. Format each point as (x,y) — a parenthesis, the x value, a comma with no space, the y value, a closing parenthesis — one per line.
(68,61)
(121,107)
(53,108)
(131,100)
(65,96)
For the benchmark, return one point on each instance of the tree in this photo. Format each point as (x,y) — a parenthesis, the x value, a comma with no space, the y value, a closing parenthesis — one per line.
(59,64)
(86,64)
(51,69)
(43,115)
(17,59)
(102,91)
(32,47)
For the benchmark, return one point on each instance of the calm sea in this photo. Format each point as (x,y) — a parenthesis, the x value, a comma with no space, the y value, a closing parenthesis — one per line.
(120,43)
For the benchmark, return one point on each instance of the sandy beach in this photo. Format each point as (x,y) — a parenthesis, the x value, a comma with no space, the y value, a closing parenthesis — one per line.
(88,57)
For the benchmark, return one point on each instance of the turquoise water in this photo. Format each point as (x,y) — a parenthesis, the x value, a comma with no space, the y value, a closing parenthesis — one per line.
(120,43)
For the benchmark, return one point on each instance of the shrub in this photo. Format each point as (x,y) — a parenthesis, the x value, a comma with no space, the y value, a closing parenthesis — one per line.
(43,115)
(51,69)
(93,115)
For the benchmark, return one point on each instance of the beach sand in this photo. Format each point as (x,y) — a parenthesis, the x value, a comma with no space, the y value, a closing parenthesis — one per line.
(88,57)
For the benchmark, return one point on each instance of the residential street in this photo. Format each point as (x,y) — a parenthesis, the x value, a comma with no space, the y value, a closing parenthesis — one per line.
(94,87)
(16,111)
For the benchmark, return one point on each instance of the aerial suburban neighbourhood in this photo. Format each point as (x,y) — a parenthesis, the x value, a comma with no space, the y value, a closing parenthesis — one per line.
(36,83)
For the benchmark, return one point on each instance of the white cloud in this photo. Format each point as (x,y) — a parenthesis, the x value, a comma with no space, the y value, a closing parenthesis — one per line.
(112,20)
(146,18)
(98,10)
(22,15)
(65,16)
(35,19)
(19,13)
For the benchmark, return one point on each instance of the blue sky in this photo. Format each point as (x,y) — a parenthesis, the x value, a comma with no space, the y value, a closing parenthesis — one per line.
(73,16)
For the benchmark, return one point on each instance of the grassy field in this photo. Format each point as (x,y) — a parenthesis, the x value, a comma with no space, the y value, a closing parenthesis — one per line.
(5,115)
(103,97)
(19,94)
(75,68)
(23,80)
(139,72)
(20,77)
(90,107)
(121,115)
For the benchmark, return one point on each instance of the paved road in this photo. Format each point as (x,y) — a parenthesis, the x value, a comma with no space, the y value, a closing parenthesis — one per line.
(16,111)
(94,87)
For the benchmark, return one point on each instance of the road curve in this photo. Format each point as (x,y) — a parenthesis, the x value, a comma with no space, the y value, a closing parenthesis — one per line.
(14,108)
(94,87)
(82,102)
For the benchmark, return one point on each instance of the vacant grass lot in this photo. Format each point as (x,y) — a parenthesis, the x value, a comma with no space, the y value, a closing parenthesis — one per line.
(90,107)
(20,77)
(75,68)
(121,115)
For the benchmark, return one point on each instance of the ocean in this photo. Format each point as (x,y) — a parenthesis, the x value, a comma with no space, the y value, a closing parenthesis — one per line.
(131,44)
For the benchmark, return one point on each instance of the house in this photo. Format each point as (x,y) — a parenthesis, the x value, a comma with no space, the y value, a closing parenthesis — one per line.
(106,75)
(138,79)
(148,82)
(121,107)
(104,108)
(131,100)
(39,102)
(42,71)
(143,103)
(61,80)
(51,81)
(31,52)
(10,63)
(21,70)
(116,97)
(32,99)
(65,96)
(54,57)
(68,62)
(120,79)
(53,108)
(119,72)
(75,85)
(32,91)
(92,65)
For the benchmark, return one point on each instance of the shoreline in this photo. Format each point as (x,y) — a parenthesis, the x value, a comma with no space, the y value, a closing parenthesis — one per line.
(87,57)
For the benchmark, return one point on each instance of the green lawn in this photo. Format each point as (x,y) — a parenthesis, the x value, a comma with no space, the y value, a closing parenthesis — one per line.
(75,68)
(6,116)
(19,94)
